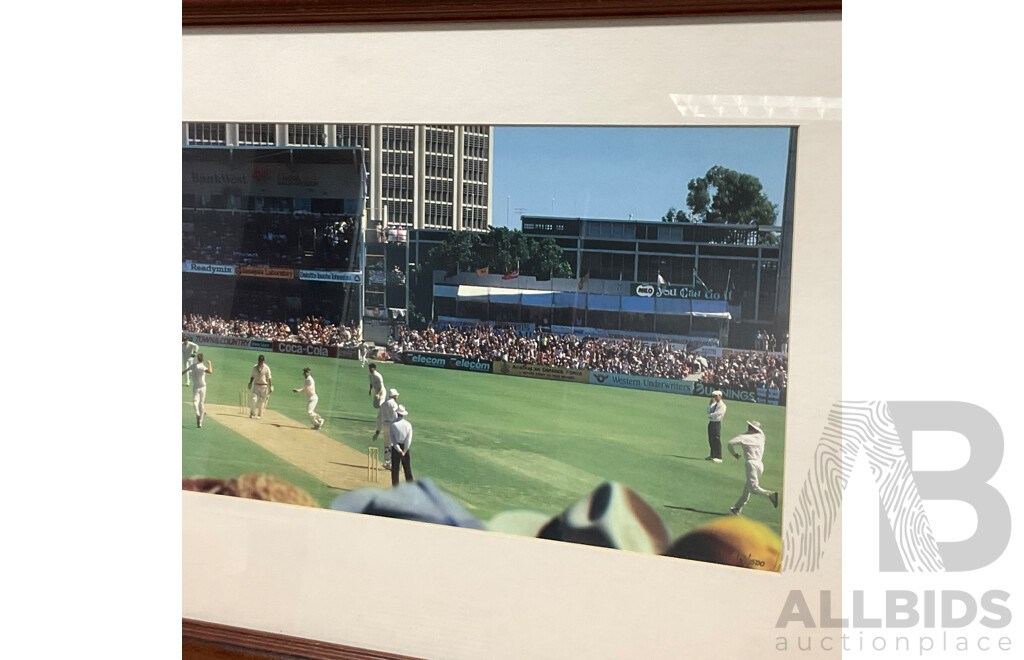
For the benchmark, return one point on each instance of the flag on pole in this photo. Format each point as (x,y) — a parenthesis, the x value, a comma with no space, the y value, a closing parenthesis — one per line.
(583,280)
(511,275)
(699,281)
(486,270)
(661,280)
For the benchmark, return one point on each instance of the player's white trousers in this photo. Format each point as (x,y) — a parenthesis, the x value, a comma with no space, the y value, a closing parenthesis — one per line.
(260,394)
(188,373)
(199,400)
(314,418)
(754,470)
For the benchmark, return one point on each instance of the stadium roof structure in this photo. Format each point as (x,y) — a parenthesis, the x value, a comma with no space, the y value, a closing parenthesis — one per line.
(584,300)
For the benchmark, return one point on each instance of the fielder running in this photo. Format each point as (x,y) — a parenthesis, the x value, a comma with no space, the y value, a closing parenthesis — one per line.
(753,449)
(311,399)
(198,373)
(262,386)
(387,414)
(189,350)
(376,386)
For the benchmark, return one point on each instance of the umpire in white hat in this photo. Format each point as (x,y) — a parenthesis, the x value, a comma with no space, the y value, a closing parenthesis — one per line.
(716,413)
(401,440)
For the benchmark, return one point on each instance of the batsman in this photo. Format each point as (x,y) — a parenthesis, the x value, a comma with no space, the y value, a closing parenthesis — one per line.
(262,385)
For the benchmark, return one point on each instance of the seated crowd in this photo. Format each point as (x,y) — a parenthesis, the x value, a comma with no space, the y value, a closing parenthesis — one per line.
(310,330)
(746,370)
(621,356)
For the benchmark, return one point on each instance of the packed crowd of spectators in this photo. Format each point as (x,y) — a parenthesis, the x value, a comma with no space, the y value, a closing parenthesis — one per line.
(748,370)
(620,356)
(310,330)
(318,330)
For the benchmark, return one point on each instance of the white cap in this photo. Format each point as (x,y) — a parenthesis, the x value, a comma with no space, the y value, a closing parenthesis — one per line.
(393,392)
(717,393)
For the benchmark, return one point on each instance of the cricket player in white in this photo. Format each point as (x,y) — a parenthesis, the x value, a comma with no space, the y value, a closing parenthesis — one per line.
(376,386)
(198,373)
(363,351)
(387,414)
(189,350)
(753,450)
(310,389)
(262,386)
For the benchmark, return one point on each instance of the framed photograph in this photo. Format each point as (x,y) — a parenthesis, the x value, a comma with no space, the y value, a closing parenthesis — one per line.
(363,190)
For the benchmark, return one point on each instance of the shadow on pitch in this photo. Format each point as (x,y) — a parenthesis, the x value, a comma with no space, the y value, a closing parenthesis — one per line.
(355,419)
(688,508)
(689,458)
(351,465)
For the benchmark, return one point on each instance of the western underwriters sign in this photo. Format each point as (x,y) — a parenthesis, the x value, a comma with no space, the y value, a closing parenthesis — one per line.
(680,291)
(648,383)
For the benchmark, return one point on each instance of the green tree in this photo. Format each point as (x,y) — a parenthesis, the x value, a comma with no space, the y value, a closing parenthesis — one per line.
(727,196)
(460,251)
(674,215)
(501,250)
(505,249)
(546,260)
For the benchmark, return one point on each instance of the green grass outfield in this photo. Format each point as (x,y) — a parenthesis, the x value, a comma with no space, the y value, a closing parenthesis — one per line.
(498,443)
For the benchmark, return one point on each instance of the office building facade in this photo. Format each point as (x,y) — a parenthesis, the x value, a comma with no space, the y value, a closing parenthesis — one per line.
(418,176)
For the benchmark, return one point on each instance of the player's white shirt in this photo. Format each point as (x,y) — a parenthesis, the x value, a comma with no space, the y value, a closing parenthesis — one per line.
(188,349)
(198,370)
(401,433)
(310,387)
(387,413)
(260,377)
(716,411)
(753,445)
(376,382)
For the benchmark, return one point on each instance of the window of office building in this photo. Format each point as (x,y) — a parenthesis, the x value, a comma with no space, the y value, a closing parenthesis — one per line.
(307,135)
(438,190)
(674,270)
(608,266)
(620,230)
(398,138)
(474,217)
(400,211)
(476,143)
(769,288)
(355,135)
(474,193)
(207,133)
(439,139)
(352,135)
(437,215)
(474,169)
(442,165)
(256,134)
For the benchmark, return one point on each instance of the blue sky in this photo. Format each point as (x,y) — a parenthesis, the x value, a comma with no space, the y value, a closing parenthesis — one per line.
(615,172)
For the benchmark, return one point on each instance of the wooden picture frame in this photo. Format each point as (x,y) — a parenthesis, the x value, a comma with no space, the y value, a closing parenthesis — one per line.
(209,634)
(210,13)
